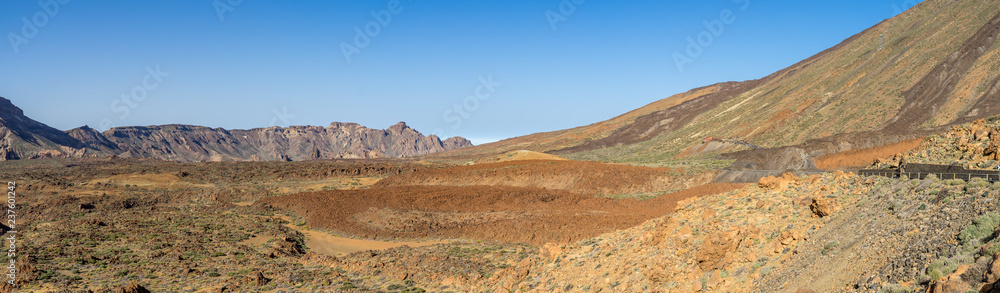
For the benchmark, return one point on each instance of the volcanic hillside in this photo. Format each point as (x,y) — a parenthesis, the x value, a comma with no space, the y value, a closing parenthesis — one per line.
(934,65)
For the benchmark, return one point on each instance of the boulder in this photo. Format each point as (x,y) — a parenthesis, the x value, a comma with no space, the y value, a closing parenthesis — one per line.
(822,207)
(993,270)
(255,279)
(952,283)
(551,250)
(772,182)
(133,288)
(716,251)
(714,280)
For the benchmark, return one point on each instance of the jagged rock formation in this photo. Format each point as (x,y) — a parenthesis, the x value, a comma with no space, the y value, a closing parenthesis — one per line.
(23,138)
(339,140)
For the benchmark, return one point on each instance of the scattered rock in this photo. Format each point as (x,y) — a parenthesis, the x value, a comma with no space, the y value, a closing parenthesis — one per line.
(790,237)
(255,279)
(285,247)
(771,182)
(684,234)
(714,280)
(715,252)
(952,283)
(551,250)
(993,270)
(133,288)
(822,207)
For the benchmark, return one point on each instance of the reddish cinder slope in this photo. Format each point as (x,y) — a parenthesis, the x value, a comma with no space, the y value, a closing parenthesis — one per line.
(491,213)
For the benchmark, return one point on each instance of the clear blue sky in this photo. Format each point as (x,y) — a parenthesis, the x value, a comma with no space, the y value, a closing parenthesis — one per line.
(262,63)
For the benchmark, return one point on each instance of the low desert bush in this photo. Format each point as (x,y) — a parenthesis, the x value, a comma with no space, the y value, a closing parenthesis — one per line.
(954,182)
(981,228)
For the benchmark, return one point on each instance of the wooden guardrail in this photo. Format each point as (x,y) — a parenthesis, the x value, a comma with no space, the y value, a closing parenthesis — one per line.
(921,175)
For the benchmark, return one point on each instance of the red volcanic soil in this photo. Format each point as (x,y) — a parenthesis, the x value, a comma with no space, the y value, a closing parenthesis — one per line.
(581,177)
(864,157)
(492,213)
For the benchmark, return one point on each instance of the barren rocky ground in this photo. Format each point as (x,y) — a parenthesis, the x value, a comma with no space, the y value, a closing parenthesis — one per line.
(116,224)
(107,225)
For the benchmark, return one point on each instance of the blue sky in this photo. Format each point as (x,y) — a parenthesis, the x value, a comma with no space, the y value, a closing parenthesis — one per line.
(485,70)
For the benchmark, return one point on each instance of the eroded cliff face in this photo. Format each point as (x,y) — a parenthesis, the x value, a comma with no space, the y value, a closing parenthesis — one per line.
(188,143)
(24,138)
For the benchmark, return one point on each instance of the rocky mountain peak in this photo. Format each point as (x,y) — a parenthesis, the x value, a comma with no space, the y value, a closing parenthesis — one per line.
(8,108)
(399,127)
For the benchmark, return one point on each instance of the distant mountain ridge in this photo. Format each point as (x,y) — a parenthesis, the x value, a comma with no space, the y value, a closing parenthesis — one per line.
(24,138)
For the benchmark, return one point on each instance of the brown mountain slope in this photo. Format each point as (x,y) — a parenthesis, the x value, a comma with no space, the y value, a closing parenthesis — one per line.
(934,65)
(562,139)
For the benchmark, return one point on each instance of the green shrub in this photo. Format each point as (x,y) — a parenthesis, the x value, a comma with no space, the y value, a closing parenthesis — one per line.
(896,288)
(829,247)
(395,287)
(347,286)
(941,268)
(955,182)
(766,271)
(977,183)
(992,250)
(45,275)
(980,228)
